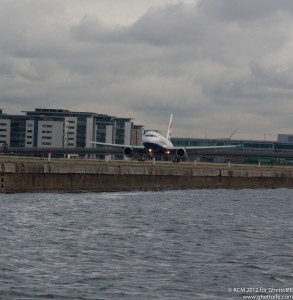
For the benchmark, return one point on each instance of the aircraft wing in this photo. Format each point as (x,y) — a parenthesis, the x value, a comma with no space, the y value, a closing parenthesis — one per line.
(210,147)
(190,148)
(118,145)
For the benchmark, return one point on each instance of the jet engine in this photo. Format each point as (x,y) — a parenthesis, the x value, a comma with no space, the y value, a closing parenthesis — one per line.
(181,153)
(128,151)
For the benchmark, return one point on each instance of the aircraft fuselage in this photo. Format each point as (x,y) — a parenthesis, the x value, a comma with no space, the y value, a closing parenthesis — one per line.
(156,143)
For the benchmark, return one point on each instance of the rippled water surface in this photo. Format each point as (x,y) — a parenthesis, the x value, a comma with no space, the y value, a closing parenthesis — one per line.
(150,245)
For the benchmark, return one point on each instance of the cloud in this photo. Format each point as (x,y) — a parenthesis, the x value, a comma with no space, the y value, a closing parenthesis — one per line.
(216,65)
(244,11)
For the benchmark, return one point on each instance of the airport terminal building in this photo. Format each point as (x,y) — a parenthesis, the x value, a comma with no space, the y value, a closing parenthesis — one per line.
(251,151)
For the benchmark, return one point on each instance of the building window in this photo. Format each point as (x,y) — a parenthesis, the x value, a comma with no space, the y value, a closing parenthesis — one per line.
(47,126)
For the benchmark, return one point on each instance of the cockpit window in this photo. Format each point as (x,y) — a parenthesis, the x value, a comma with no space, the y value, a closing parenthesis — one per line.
(150,135)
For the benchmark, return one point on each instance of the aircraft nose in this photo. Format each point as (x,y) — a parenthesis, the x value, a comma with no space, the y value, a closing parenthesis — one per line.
(146,138)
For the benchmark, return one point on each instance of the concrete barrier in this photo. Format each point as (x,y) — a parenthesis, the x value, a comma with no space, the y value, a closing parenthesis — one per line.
(81,176)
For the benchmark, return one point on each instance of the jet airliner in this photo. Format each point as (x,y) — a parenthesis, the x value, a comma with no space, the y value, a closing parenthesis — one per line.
(154,143)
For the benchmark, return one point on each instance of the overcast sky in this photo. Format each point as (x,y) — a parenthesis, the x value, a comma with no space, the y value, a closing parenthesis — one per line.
(217,65)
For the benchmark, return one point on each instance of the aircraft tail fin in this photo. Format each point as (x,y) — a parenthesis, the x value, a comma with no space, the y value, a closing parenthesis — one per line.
(169,128)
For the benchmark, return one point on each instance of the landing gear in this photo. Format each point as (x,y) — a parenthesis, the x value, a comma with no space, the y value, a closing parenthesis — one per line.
(141,156)
(176,160)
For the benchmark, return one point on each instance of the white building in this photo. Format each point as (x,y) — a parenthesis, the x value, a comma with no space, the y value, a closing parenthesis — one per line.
(285,138)
(50,134)
(56,128)
(5,125)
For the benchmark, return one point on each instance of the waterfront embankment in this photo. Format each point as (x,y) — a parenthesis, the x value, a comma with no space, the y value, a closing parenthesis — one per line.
(22,174)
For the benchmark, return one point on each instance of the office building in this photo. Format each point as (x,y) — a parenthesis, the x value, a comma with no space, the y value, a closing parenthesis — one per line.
(58,128)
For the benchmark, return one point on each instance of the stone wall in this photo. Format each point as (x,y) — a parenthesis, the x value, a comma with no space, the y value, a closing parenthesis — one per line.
(77,177)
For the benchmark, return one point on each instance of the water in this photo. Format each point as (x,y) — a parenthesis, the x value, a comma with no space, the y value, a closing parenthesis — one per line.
(150,245)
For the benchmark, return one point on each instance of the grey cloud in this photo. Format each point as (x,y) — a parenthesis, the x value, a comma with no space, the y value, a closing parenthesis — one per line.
(161,27)
(192,61)
(91,29)
(27,25)
(244,11)
(270,77)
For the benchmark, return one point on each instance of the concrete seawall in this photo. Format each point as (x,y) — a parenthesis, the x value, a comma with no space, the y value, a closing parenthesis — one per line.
(38,175)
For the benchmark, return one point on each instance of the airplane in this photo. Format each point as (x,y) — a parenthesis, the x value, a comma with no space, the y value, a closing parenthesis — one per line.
(154,143)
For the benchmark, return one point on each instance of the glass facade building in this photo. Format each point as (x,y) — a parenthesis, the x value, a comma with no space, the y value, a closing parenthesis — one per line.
(58,128)
(245,144)
(250,150)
